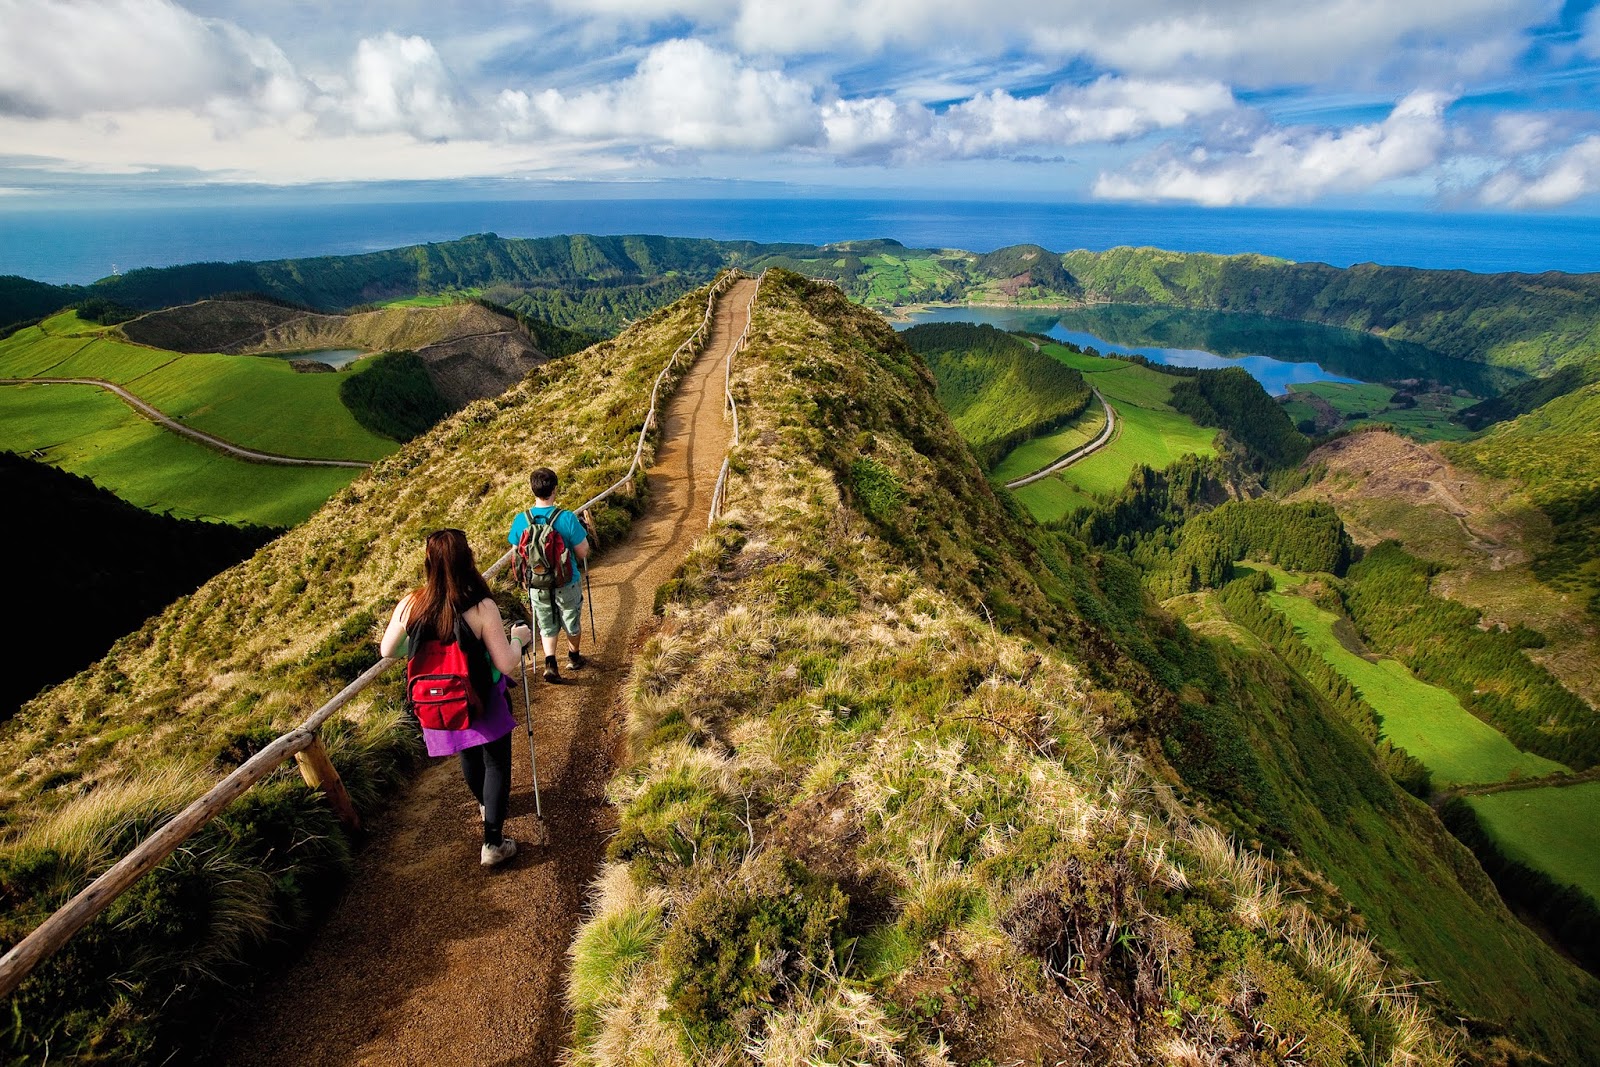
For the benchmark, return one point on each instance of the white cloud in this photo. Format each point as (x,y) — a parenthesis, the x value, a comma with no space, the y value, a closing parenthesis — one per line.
(1295,164)
(1573,173)
(401,84)
(684,94)
(1589,44)
(1252,42)
(71,57)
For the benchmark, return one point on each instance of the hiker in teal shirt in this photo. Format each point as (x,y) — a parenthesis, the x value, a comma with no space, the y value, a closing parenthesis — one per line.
(562,608)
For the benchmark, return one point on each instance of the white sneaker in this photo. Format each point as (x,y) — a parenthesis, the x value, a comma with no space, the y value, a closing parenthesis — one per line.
(482,811)
(494,855)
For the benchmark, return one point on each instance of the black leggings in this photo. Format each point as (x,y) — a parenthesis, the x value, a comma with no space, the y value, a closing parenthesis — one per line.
(487,769)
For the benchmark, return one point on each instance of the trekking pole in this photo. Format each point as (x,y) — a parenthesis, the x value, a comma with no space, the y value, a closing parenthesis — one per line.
(588,595)
(527,704)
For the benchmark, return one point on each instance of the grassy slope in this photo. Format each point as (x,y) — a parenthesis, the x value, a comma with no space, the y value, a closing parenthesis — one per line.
(1045,450)
(174,705)
(1149,433)
(1428,421)
(870,759)
(1555,453)
(1428,722)
(1550,830)
(242,399)
(85,430)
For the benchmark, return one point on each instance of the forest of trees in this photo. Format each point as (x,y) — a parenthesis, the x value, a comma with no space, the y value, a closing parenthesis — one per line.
(1387,595)
(999,390)
(1201,553)
(1230,399)
(394,396)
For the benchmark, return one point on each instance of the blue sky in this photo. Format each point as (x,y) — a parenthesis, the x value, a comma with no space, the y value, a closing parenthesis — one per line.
(1455,104)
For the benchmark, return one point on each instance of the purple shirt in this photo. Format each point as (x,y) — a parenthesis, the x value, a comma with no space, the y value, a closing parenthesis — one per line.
(493,723)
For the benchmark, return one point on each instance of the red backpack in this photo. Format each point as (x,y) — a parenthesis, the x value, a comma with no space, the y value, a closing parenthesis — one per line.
(544,559)
(439,685)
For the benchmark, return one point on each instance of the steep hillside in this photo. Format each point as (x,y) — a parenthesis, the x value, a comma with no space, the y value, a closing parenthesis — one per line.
(884,796)
(915,780)
(471,351)
(97,567)
(91,765)
(1000,390)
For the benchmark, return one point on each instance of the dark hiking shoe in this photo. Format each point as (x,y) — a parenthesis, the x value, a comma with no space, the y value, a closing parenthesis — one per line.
(551,672)
(575,660)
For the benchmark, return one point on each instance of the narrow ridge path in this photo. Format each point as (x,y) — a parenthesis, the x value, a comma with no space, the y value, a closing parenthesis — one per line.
(431,959)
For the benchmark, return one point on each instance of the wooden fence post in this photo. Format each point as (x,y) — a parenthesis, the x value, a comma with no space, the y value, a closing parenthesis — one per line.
(318,771)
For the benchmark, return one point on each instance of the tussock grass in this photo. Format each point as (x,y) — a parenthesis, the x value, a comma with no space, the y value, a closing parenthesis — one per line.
(859,703)
(98,761)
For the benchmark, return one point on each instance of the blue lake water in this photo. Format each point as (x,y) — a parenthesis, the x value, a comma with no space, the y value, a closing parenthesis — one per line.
(79,246)
(1277,352)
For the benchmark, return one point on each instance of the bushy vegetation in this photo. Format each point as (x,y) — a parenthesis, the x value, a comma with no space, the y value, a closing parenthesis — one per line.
(91,567)
(549,338)
(999,390)
(394,396)
(1551,452)
(1230,399)
(923,748)
(1200,554)
(1388,596)
(94,763)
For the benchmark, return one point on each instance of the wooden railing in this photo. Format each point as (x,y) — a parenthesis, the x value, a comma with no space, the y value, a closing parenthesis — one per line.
(719,495)
(302,743)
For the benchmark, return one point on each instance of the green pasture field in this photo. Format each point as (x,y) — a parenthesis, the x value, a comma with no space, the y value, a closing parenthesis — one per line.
(262,402)
(1149,432)
(895,280)
(1456,746)
(85,430)
(1043,451)
(433,300)
(1550,829)
(1428,421)
(253,401)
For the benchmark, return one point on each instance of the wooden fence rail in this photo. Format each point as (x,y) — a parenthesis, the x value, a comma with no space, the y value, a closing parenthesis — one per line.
(302,743)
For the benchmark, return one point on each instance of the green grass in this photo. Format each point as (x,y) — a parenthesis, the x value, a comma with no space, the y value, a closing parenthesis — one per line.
(1457,747)
(85,430)
(1149,432)
(254,401)
(261,402)
(434,300)
(1550,829)
(1428,421)
(895,279)
(1043,451)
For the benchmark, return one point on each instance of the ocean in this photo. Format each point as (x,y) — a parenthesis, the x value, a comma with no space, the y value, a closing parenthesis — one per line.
(81,245)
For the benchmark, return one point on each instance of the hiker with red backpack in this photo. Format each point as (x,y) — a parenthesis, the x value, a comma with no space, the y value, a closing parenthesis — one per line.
(458,658)
(552,550)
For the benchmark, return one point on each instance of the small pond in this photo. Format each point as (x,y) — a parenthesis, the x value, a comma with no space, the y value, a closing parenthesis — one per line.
(333,357)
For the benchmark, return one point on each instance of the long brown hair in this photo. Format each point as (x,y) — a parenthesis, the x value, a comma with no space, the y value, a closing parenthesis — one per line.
(451,585)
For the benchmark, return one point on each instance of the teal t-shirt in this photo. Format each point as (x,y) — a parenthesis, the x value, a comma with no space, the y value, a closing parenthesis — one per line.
(567,525)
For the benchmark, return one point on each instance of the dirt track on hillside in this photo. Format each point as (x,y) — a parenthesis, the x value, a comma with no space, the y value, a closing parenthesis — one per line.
(431,959)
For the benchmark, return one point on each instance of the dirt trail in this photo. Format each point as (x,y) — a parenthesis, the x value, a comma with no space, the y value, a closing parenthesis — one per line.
(432,959)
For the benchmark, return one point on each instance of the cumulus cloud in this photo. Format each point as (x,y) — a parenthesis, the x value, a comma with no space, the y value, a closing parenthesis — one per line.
(1294,164)
(1572,173)
(72,57)
(1249,41)
(1589,44)
(999,124)
(400,83)
(684,94)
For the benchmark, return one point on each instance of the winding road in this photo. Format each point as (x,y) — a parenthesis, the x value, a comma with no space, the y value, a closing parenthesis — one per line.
(1072,457)
(430,958)
(167,422)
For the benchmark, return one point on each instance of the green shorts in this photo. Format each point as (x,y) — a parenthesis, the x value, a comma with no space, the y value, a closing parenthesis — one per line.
(568,606)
